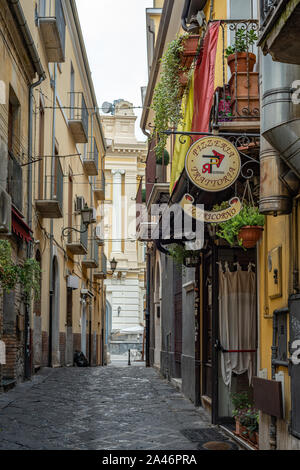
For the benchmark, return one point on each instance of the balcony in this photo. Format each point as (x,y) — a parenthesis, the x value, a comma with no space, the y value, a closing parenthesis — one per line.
(77,243)
(156,174)
(91,260)
(99,233)
(90,162)
(99,187)
(52,208)
(51,21)
(101,273)
(279,30)
(79,118)
(236,102)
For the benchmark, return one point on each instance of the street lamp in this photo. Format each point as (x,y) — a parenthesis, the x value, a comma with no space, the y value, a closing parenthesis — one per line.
(113,265)
(86,217)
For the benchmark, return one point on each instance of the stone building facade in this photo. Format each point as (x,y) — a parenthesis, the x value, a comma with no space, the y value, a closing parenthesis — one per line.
(124,168)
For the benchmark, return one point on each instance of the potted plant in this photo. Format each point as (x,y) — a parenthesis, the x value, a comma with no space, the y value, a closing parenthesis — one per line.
(161,164)
(249,420)
(168,92)
(240,403)
(183,257)
(245,229)
(238,54)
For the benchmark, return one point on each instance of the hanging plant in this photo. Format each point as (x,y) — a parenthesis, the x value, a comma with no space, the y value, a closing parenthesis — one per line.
(29,278)
(183,257)
(8,270)
(163,161)
(167,96)
(233,230)
(11,274)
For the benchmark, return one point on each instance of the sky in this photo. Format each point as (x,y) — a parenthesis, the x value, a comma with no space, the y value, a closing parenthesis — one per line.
(115,38)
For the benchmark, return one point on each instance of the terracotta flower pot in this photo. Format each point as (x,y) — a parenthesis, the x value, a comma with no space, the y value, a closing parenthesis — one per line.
(241,58)
(250,235)
(190,46)
(244,92)
(237,426)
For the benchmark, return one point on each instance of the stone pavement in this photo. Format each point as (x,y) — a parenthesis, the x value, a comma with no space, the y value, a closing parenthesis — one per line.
(104,408)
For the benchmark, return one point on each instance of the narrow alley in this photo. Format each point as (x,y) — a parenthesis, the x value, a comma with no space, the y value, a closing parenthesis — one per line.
(118,407)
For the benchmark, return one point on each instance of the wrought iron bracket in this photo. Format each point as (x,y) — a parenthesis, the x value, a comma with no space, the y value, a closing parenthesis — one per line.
(68,230)
(239,140)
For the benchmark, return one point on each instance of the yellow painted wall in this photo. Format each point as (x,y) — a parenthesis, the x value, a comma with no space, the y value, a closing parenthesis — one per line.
(81,186)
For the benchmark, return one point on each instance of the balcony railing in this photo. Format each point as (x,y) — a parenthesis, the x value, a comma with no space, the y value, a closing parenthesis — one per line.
(267,7)
(77,243)
(52,207)
(150,169)
(90,162)
(99,186)
(101,273)
(236,102)
(78,118)
(52,24)
(279,30)
(91,260)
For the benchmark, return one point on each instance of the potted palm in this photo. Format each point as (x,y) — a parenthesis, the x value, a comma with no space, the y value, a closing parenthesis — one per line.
(238,54)
(245,229)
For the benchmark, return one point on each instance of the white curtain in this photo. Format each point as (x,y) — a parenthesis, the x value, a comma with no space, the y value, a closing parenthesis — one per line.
(237,320)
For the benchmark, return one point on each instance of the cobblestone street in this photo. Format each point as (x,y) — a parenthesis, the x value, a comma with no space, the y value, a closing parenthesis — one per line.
(117,407)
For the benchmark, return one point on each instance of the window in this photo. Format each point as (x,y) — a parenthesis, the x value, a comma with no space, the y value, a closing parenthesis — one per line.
(13,123)
(14,169)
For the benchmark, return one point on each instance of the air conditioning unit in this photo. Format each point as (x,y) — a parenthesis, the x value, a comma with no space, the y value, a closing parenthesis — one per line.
(79,203)
(73,282)
(5,211)
(94,216)
(99,236)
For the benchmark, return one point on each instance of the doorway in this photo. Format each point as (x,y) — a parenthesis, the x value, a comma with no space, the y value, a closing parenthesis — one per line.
(54,354)
(83,327)
(234,328)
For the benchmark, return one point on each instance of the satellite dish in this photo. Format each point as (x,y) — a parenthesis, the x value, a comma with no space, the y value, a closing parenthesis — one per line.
(107,107)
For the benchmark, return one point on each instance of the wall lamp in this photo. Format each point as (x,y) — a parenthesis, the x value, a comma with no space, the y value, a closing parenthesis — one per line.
(86,217)
(113,265)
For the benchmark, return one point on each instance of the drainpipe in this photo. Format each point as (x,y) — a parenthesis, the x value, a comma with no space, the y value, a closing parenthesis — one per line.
(280,121)
(148,310)
(51,286)
(278,183)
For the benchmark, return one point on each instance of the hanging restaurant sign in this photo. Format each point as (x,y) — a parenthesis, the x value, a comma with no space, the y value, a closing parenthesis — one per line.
(210,217)
(212,163)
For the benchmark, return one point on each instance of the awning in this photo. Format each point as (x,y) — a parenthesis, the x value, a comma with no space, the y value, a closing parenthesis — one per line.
(19,226)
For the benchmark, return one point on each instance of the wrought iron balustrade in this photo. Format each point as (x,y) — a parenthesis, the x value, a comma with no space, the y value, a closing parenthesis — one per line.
(237,97)
(51,20)
(78,117)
